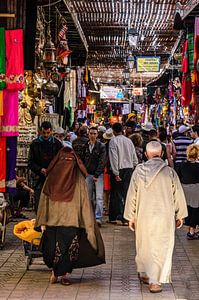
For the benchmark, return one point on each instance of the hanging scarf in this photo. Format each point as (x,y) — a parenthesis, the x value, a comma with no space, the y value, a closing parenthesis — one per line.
(9,121)
(190,38)
(2,59)
(186,78)
(14,59)
(185,61)
(186,89)
(11,156)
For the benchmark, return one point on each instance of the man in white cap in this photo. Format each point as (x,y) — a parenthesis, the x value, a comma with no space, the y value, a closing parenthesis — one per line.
(155,204)
(60,135)
(181,142)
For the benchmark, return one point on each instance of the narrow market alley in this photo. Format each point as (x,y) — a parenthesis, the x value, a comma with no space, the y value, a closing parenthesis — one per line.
(117,279)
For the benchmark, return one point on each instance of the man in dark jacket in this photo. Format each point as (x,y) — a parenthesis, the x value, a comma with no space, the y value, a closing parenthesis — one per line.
(95,160)
(42,150)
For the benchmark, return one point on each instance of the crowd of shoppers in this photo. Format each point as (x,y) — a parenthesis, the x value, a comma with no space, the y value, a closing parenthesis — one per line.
(129,173)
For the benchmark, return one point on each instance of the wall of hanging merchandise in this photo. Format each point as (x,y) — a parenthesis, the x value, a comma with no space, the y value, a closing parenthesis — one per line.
(52,118)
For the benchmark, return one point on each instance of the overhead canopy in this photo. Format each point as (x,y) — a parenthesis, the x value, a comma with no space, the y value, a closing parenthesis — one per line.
(106,24)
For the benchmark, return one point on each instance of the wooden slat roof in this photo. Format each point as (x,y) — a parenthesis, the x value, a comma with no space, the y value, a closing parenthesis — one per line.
(106,22)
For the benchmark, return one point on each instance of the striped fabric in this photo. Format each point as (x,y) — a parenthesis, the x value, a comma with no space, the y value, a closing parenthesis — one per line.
(181,144)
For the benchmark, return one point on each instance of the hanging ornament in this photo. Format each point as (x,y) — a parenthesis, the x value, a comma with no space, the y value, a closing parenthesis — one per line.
(50,88)
(63,51)
(130,62)
(49,51)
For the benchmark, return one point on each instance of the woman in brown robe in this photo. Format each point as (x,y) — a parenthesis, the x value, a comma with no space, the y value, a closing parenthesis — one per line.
(72,238)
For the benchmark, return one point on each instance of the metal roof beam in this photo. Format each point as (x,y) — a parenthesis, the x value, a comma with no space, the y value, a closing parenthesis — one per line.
(76,22)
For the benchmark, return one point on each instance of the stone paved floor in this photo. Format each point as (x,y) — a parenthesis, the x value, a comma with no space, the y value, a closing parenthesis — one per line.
(115,280)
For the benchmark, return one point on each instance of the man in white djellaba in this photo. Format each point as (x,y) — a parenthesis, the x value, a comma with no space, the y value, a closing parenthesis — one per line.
(155,205)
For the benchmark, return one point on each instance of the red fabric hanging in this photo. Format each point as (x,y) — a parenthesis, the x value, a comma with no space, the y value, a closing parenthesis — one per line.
(186,89)
(185,61)
(14,59)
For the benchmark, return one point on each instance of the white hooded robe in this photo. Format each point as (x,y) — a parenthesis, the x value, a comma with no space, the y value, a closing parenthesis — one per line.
(154,201)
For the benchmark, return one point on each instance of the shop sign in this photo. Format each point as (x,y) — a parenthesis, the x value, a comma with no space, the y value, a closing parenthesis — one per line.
(137,92)
(110,92)
(148,64)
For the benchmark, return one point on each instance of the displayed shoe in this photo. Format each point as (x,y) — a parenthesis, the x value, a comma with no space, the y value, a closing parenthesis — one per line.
(53,278)
(65,281)
(191,236)
(155,288)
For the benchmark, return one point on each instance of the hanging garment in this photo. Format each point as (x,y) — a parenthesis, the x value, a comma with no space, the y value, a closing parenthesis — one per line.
(2,59)
(185,61)
(1,103)
(195,78)
(11,157)
(9,120)
(186,89)
(190,38)
(2,164)
(14,59)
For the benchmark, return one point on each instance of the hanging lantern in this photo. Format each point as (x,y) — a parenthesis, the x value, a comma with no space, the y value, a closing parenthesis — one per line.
(49,51)
(133,37)
(126,74)
(130,62)
(50,88)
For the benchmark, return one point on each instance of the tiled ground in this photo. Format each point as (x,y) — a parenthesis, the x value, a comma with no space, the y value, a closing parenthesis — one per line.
(116,280)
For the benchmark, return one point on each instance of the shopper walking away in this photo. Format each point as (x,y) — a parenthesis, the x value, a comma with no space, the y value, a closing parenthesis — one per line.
(181,143)
(42,150)
(72,238)
(123,160)
(95,160)
(189,177)
(155,204)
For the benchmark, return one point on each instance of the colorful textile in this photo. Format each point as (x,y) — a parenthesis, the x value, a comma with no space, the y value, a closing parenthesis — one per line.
(186,89)
(2,59)
(14,59)
(186,78)
(9,120)
(195,75)
(185,61)
(2,164)
(190,38)
(11,156)
(1,103)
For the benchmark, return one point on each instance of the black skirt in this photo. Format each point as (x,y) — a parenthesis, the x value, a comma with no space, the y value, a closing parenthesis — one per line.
(66,248)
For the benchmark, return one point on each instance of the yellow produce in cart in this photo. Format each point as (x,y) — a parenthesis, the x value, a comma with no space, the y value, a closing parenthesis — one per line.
(25,231)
